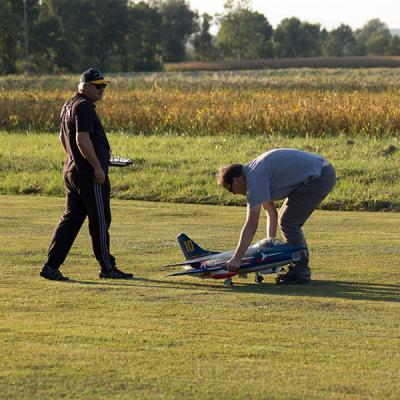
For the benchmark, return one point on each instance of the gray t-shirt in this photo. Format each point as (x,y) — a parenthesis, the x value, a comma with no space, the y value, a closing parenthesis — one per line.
(275,174)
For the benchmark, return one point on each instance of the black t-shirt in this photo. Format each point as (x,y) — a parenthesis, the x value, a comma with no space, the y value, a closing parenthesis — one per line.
(79,115)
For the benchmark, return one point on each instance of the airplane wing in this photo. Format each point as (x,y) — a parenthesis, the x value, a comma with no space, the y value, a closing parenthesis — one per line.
(194,261)
(197,271)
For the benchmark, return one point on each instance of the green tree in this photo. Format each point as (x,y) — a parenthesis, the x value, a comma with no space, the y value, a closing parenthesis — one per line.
(92,35)
(109,34)
(293,38)
(339,42)
(394,46)
(12,37)
(243,33)
(142,49)
(313,39)
(110,22)
(203,40)
(9,28)
(45,35)
(75,33)
(178,22)
(66,37)
(372,39)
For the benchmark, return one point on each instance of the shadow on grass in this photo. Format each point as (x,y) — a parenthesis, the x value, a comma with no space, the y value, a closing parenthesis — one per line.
(329,289)
(150,283)
(332,289)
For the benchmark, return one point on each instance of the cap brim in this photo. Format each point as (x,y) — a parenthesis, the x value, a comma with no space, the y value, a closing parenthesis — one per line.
(99,81)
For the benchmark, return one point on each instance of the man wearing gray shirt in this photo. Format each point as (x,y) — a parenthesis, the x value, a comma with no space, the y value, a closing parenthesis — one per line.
(302,179)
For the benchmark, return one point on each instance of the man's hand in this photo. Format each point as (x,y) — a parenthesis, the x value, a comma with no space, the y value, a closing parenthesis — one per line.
(99,176)
(271,242)
(246,236)
(233,265)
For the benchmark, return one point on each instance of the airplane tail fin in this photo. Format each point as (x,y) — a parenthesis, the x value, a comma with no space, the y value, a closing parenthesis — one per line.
(191,249)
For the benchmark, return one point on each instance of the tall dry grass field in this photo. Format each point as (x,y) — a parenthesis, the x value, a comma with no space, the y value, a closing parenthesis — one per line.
(292,102)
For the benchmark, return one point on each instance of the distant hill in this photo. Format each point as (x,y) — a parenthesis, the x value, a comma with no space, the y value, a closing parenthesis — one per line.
(395,32)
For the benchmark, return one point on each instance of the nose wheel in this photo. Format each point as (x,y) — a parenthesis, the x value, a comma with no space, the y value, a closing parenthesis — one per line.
(259,278)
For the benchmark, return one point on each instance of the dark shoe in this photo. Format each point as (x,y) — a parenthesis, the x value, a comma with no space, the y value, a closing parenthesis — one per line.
(114,273)
(297,275)
(52,274)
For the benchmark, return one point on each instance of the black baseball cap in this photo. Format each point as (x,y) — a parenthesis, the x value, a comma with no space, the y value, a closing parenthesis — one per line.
(93,75)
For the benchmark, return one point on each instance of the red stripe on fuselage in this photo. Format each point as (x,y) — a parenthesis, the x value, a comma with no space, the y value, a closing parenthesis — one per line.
(224,275)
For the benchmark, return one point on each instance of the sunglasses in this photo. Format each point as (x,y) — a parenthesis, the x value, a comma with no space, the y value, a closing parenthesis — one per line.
(99,86)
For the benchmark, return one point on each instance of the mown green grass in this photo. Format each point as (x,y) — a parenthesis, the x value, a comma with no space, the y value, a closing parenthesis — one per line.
(170,338)
(182,168)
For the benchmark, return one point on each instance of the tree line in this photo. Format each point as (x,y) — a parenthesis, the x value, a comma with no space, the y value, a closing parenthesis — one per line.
(123,35)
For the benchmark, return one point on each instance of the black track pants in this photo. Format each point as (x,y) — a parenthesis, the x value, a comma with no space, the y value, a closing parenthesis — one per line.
(84,198)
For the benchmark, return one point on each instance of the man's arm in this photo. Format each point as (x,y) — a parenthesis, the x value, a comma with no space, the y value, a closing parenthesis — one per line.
(272,218)
(246,236)
(85,146)
(62,141)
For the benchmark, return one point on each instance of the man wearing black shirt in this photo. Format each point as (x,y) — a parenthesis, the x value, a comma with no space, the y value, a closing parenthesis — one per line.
(86,180)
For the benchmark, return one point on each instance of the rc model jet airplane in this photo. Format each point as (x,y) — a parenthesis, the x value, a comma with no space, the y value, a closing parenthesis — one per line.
(260,258)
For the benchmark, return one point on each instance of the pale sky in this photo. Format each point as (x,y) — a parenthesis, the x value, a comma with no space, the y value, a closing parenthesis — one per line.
(329,13)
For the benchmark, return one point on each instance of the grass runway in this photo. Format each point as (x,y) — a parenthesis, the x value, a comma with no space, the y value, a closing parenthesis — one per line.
(170,338)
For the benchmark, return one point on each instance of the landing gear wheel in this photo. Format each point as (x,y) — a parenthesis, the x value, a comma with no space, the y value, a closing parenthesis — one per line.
(228,282)
(259,278)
